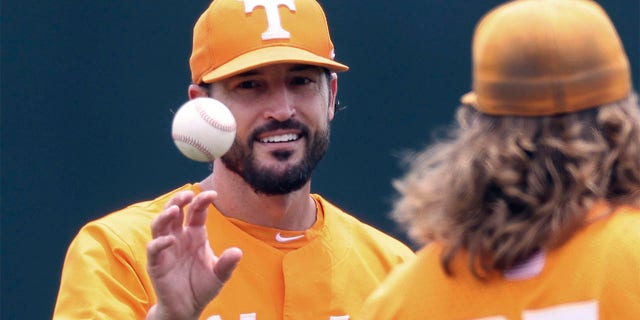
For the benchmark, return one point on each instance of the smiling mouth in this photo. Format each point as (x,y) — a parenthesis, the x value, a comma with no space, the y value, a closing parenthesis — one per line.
(280,138)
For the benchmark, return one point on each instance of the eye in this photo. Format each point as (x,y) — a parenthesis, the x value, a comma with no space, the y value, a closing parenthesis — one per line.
(301,80)
(249,84)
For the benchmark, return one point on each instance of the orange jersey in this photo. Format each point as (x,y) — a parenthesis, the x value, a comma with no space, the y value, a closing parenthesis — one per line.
(104,274)
(595,275)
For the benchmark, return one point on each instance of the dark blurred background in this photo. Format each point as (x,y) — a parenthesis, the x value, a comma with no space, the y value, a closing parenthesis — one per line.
(88,90)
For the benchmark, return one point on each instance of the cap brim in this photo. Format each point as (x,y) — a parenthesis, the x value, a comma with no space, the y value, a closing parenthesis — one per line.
(469,99)
(270,55)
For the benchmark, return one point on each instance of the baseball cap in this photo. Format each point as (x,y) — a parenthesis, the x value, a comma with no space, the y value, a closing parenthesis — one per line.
(545,57)
(233,36)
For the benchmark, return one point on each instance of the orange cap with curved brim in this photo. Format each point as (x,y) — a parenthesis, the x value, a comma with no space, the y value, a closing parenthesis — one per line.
(545,57)
(233,36)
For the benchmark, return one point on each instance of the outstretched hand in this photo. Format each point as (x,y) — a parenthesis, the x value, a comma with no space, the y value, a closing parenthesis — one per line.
(185,272)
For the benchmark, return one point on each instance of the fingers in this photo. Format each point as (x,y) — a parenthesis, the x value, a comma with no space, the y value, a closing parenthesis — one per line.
(227,262)
(171,219)
(168,225)
(197,215)
(156,246)
(167,222)
(180,199)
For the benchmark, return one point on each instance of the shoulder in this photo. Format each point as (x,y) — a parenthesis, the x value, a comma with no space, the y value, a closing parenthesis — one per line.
(604,250)
(621,227)
(361,234)
(620,230)
(404,288)
(129,224)
(424,267)
(626,218)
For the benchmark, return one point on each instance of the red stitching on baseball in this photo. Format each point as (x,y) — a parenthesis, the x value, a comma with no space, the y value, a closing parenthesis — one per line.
(213,122)
(194,143)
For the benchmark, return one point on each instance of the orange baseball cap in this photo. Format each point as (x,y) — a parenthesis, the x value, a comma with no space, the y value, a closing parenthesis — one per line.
(545,57)
(234,36)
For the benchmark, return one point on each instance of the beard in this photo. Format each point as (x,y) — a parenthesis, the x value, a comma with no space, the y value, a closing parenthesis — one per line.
(265,180)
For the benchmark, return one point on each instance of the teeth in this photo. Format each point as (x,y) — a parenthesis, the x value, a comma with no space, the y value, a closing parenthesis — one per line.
(280,138)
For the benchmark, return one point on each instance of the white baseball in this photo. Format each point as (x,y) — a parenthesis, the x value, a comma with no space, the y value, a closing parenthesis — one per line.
(203,129)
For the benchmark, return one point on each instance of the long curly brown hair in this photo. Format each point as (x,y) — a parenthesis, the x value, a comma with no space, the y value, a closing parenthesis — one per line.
(504,187)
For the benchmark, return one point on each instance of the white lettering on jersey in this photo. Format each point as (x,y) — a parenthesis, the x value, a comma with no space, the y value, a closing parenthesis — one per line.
(274,28)
(587,310)
(243,316)
(252,316)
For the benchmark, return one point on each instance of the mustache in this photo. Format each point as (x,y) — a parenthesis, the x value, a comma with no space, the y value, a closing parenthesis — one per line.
(275,125)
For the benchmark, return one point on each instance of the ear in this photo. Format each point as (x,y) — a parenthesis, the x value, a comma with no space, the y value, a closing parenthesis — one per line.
(333,91)
(196,91)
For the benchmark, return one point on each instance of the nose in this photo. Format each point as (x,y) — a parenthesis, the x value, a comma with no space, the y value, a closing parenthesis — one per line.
(280,106)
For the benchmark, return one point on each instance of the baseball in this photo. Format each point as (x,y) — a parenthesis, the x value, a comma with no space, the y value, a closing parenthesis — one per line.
(203,129)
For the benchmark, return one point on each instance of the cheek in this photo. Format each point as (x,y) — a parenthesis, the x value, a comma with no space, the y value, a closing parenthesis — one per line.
(324,119)
(243,128)
(243,121)
(242,134)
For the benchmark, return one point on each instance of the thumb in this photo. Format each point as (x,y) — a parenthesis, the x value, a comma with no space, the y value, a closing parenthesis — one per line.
(226,263)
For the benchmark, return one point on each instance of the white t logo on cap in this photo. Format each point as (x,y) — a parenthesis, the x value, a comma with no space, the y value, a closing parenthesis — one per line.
(274,29)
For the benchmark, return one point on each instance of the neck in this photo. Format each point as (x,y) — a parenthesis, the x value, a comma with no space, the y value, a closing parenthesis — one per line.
(236,199)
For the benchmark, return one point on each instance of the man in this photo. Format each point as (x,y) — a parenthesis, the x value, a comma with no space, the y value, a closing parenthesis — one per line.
(284,253)
(541,219)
